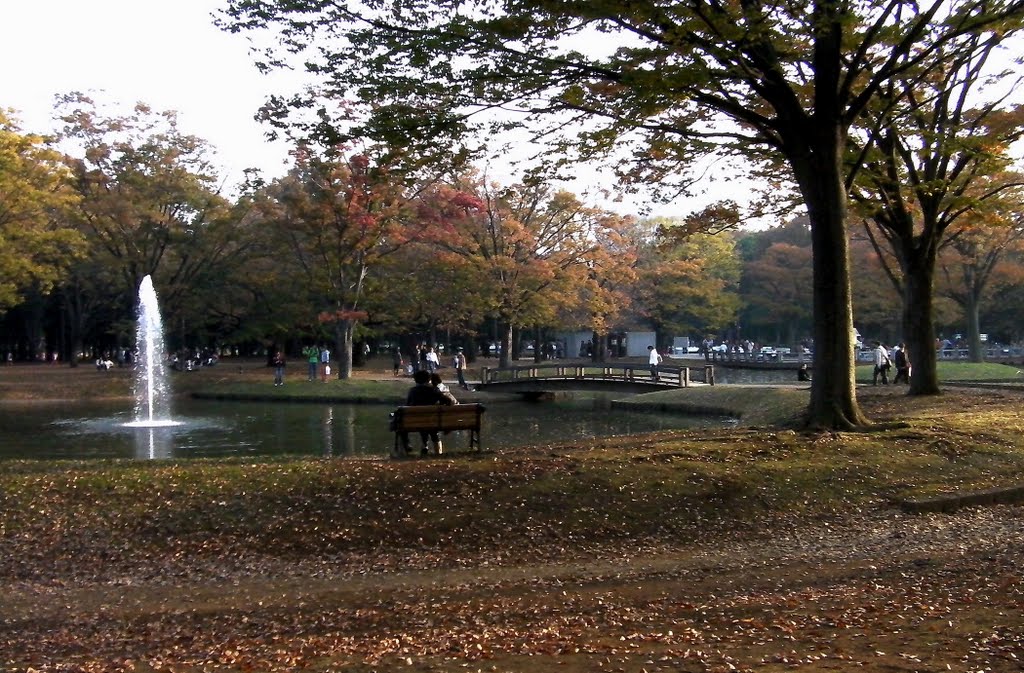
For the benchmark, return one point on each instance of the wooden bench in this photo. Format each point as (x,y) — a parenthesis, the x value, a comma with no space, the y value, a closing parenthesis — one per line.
(438,418)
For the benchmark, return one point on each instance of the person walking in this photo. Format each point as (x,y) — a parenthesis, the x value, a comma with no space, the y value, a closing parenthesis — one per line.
(279,365)
(882,365)
(654,359)
(460,368)
(433,362)
(902,362)
(397,360)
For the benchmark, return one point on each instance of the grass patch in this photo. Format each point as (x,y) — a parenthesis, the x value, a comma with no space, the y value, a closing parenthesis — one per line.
(977,371)
(951,371)
(348,390)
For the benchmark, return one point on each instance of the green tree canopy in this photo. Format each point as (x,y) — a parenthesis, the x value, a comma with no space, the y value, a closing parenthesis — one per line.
(147,200)
(36,243)
(148,205)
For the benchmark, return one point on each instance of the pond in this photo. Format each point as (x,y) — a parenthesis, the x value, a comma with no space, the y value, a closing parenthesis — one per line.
(736,375)
(218,428)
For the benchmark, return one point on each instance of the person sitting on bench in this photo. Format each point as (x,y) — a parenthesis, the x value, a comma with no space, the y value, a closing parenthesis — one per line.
(425,394)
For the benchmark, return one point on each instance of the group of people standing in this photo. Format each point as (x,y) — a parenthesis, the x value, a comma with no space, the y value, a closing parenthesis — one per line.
(318,359)
(426,359)
(884,362)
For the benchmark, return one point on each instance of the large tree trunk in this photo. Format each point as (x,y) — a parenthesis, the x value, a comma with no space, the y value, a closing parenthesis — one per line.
(505,358)
(343,330)
(833,390)
(813,145)
(975,348)
(73,311)
(918,322)
(599,353)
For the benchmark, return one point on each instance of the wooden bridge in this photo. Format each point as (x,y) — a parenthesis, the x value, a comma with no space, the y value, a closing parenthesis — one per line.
(537,378)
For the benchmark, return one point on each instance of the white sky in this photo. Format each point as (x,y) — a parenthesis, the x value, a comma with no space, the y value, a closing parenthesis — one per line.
(166,54)
(170,56)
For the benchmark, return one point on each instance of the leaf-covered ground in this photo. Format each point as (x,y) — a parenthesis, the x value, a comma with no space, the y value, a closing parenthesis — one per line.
(749,550)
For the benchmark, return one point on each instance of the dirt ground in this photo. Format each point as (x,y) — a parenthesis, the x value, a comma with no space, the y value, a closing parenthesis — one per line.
(880,592)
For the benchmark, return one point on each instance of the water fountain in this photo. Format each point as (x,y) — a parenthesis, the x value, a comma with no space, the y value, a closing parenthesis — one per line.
(152,393)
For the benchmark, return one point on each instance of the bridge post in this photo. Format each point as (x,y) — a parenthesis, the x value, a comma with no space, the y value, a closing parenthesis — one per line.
(684,377)
(484,375)
(709,374)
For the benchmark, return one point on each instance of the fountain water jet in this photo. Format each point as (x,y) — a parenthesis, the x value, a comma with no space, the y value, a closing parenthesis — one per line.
(152,393)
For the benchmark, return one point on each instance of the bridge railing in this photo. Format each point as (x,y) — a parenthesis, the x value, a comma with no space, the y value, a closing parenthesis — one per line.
(667,374)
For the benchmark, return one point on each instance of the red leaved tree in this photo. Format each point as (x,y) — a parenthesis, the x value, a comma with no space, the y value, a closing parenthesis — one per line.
(337,220)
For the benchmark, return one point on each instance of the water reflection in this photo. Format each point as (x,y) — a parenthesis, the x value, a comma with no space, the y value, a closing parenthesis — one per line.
(345,428)
(727,375)
(153,443)
(212,429)
(328,426)
(338,431)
